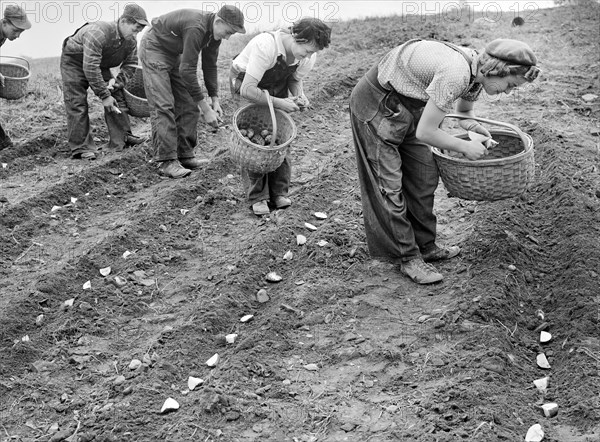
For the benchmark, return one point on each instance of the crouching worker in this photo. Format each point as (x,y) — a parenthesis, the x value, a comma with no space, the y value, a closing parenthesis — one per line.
(86,59)
(15,21)
(277,62)
(396,110)
(169,53)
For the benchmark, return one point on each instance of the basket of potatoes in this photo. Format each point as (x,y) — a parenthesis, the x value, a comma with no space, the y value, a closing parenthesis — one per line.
(262,137)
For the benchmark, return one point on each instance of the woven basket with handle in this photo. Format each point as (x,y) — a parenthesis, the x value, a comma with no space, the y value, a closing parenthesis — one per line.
(252,156)
(16,77)
(135,95)
(505,172)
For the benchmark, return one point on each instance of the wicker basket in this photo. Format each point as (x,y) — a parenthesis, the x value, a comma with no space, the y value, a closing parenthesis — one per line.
(135,95)
(16,77)
(506,172)
(254,157)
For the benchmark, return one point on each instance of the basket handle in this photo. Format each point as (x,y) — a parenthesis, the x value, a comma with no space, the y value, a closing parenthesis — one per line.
(20,58)
(270,103)
(514,128)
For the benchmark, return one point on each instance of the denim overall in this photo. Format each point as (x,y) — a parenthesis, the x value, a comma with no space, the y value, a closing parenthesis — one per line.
(397,173)
(260,186)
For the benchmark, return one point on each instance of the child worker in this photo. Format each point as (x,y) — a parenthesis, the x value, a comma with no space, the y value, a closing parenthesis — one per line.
(277,62)
(395,112)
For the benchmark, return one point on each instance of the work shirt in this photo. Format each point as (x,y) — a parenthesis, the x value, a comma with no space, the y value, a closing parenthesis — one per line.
(430,70)
(100,46)
(2,37)
(189,32)
(260,55)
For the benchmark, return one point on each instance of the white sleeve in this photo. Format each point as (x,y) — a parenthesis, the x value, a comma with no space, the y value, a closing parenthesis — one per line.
(305,66)
(260,55)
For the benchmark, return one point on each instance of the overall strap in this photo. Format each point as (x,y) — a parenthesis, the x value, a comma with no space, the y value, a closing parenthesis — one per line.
(464,54)
(73,34)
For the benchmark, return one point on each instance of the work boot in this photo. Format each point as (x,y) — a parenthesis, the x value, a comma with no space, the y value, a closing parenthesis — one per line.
(260,208)
(133,140)
(420,272)
(172,169)
(439,253)
(281,202)
(193,163)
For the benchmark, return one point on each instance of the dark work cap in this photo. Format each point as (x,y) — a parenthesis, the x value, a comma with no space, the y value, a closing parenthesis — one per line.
(511,51)
(233,17)
(17,17)
(136,12)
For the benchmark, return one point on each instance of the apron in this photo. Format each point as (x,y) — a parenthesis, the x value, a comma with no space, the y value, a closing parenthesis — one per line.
(274,80)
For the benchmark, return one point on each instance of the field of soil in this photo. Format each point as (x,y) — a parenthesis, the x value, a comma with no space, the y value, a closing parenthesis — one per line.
(344,348)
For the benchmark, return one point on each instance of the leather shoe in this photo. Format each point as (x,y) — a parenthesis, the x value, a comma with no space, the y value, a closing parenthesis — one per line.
(193,163)
(260,208)
(281,202)
(420,271)
(172,169)
(440,253)
(133,140)
(84,156)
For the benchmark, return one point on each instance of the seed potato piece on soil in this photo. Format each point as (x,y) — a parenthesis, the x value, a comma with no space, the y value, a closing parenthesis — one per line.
(213,361)
(310,226)
(230,338)
(246,318)
(105,271)
(550,409)
(545,337)
(541,384)
(169,405)
(300,240)
(320,215)
(194,382)
(542,362)
(273,277)
(534,434)
(262,296)
(288,255)
(87,285)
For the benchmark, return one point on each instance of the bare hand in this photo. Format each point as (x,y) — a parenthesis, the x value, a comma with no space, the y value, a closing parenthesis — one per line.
(286,104)
(301,101)
(211,117)
(216,106)
(475,150)
(478,128)
(110,105)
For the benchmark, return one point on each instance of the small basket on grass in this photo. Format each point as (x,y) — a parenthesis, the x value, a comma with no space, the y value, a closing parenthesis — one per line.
(135,95)
(255,157)
(16,77)
(505,172)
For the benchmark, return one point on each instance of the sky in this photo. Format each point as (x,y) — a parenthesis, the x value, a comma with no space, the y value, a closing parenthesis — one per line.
(53,21)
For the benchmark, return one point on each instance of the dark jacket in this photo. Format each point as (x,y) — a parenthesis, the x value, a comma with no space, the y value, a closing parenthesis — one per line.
(189,32)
